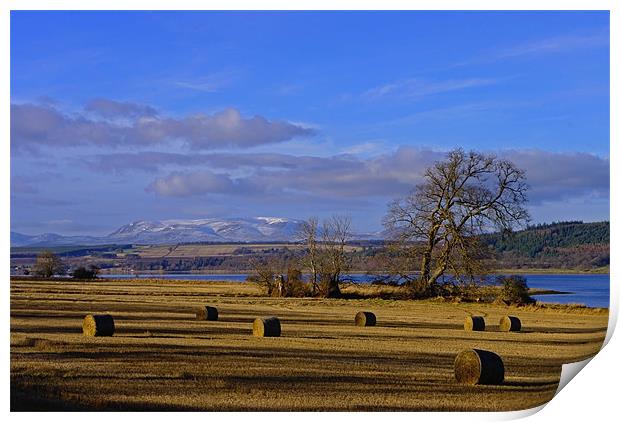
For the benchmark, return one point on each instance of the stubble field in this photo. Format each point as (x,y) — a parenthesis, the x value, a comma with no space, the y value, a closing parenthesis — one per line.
(161,358)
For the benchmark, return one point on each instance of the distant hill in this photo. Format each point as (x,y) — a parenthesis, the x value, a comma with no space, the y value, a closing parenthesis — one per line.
(571,244)
(568,245)
(220,230)
(177,231)
(52,239)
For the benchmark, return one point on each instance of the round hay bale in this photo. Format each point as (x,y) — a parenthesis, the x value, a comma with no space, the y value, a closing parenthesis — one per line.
(206,313)
(365,319)
(509,323)
(474,323)
(98,325)
(474,366)
(266,327)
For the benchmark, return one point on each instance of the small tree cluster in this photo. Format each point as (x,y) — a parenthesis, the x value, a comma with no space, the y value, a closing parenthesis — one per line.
(514,290)
(48,264)
(86,273)
(278,279)
(325,256)
(264,272)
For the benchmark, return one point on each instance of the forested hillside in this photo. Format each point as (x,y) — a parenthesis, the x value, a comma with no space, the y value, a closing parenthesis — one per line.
(567,245)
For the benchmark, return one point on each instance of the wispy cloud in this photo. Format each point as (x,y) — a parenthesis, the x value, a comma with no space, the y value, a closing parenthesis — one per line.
(29,184)
(459,111)
(211,83)
(20,184)
(551,45)
(51,202)
(204,86)
(287,89)
(366,148)
(413,88)
(555,44)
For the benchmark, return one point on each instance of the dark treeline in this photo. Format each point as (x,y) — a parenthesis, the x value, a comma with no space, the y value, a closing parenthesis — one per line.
(537,239)
(105,251)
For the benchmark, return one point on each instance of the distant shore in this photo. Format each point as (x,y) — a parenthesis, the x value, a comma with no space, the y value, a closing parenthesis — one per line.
(499,271)
(531,291)
(536,292)
(525,271)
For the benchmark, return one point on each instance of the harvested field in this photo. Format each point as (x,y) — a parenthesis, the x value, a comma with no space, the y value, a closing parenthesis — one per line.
(161,358)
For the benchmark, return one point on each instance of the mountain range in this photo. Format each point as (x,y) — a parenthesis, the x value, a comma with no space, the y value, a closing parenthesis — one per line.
(255,229)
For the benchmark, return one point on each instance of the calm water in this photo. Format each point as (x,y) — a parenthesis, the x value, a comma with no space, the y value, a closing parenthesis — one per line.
(590,290)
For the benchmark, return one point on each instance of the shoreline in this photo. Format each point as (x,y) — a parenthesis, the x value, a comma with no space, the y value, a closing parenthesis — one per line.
(531,291)
(540,292)
(552,271)
(500,271)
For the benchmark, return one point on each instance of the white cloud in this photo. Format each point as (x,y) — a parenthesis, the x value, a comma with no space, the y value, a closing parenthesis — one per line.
(552,176)
(190,184)
(34,126)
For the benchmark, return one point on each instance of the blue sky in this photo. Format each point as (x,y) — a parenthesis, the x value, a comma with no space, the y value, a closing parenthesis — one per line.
(122,116)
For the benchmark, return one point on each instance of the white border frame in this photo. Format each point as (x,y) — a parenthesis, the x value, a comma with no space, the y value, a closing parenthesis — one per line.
(591,395)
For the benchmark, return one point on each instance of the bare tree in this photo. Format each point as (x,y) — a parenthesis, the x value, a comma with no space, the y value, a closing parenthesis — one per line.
(325,255)
(336,231)
(309,234)
(48,264)
(462,197)
(266,273)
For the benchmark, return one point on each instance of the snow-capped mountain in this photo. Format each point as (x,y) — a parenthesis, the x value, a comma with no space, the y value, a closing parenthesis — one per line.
(207,230)
(257,229)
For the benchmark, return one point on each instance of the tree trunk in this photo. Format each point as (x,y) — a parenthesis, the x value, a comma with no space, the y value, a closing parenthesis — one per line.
(425,268)
(314,280)
(438,273)
(333,289)
(427,256)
